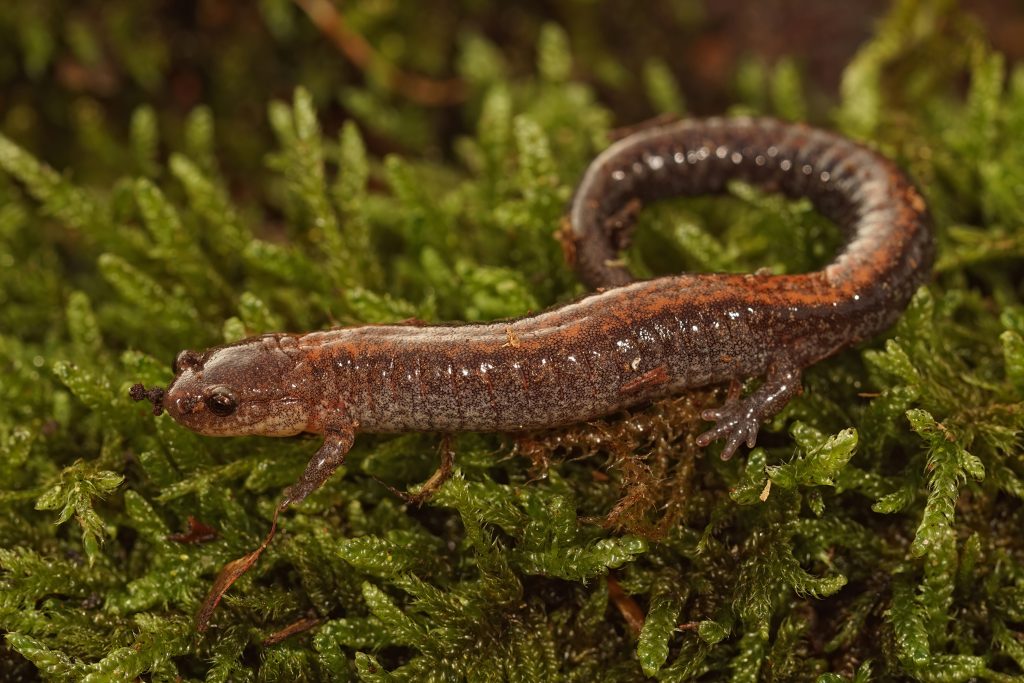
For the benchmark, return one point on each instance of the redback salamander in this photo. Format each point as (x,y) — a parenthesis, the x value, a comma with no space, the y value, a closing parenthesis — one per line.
(631,343)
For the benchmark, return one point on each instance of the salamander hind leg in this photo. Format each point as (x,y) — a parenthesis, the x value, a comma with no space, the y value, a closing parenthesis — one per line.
(739,419)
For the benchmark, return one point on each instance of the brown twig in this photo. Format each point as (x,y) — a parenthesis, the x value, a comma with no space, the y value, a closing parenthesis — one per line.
(197,533)
(420,89)
(303,624)
(231,572)
(631,612)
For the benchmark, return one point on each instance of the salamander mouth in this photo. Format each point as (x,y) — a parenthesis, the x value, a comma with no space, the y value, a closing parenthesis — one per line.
(285,419)
(138,392)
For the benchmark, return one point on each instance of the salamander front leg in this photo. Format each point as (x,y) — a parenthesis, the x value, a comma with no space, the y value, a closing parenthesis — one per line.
(321,466)
(330,456)
(739,418)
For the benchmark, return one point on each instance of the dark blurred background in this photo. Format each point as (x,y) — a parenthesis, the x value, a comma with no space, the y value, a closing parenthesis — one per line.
(71,68)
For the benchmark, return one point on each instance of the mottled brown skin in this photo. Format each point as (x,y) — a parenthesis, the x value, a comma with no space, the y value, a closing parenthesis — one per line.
(632,343)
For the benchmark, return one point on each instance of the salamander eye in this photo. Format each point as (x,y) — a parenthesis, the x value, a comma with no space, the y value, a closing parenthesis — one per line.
(185,361)
(221,401)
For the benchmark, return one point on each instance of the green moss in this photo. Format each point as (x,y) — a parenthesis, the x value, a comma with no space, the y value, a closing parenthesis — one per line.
(874,535)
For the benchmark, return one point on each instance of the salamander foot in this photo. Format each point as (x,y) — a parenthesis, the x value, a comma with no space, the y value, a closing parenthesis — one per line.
(739,419)
(735,422)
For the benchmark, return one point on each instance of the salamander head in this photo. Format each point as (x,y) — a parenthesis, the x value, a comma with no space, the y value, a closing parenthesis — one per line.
(246,388)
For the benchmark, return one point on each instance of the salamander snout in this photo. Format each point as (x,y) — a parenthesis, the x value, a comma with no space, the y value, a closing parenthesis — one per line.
(250,387)
(190,395)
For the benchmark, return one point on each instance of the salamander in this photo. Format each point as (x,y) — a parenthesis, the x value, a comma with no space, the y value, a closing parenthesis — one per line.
(624,345)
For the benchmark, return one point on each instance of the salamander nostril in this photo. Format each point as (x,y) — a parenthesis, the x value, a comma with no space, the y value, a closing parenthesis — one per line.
(187,404)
